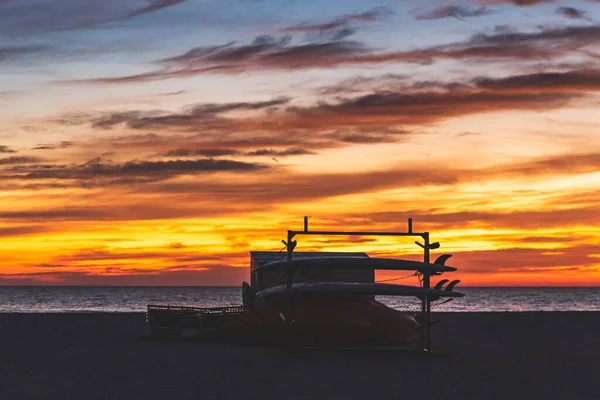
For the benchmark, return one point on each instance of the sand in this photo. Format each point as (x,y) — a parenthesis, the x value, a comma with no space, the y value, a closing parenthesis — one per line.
(105,356)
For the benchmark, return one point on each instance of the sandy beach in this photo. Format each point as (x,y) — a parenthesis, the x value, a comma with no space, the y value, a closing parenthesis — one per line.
(108,356)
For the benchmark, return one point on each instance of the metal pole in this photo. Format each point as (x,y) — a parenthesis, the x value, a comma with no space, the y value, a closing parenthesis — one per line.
(427,302)
(305,224)
(410,225)
(288,285)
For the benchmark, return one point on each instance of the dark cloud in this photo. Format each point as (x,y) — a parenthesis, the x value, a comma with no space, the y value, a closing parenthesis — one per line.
(303,187)
(16,53)
(101,172)
(379,116)
(339,23)
(230,152)
(276,187)
(154,5)
(269,53)
(100,254)
(458,12)
(519,3)
(363,83)
(559,82)
(141,120)
(525,259)
(201,152)
(22,230)
(568,163)
(573,13)
(23,18)
(577,215)
(397,108)
(186,275)
(6,149)
(133,208)
(280,153)
(62,145)
(19,160)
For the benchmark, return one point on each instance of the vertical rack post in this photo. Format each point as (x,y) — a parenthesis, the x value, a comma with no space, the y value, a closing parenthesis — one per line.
(288,285)
(426,301)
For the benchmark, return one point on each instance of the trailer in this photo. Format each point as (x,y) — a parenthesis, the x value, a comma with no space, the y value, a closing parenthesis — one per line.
(181,321)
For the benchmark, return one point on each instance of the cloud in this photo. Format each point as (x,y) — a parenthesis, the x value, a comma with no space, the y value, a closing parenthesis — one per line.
(201,152)
(397,108)
(230,152)
(154,5)
(554,216)
(280,153)
(258,193)
(308,186)
(374,116)
(99,172)
(62,145)
(558,82)
(16,53)
(362,83)
(458,12)
(102,254)
(339,23)
(215,275)
(525,260)
(572,13)
(23,17)
(141,120)
(519,3)
(19,160)
(6,149)
(22,230)
(268,53)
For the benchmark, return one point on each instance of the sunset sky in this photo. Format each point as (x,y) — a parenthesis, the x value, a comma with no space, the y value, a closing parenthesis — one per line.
(157,142)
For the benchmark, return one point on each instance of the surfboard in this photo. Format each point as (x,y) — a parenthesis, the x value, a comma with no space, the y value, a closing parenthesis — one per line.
(358,263)
(377,289)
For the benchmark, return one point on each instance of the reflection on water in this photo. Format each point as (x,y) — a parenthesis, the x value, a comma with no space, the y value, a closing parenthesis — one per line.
(135,299)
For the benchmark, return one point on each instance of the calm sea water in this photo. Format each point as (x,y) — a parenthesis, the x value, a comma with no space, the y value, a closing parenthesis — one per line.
(135,299)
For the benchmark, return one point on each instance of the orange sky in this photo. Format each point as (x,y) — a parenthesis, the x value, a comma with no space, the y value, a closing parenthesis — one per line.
(158,142)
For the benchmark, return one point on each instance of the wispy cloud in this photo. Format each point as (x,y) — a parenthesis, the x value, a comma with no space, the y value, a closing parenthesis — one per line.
(154,5)
(519,3)
(18,160)
(270,53)
(372,116)
(557,82)
(458,12)
(22,230)
(573,13)
(99,172)
(372,15)
(182,152)
(214,275)
(62,145)
(23,17)
(17,53)
(138,120)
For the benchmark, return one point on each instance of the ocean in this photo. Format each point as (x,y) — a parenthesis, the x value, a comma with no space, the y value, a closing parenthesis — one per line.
(37,299)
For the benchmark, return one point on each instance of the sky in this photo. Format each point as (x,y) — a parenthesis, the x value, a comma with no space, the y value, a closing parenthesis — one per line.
(157,142)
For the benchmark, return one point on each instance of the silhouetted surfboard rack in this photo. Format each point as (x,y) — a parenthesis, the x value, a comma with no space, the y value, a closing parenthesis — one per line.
(356,270)
(425,293)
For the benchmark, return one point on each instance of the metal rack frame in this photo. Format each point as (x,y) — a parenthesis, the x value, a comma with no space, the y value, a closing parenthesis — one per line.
(425,333)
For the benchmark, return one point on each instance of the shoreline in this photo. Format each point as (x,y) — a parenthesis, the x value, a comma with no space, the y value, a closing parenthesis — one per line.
(495,355)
